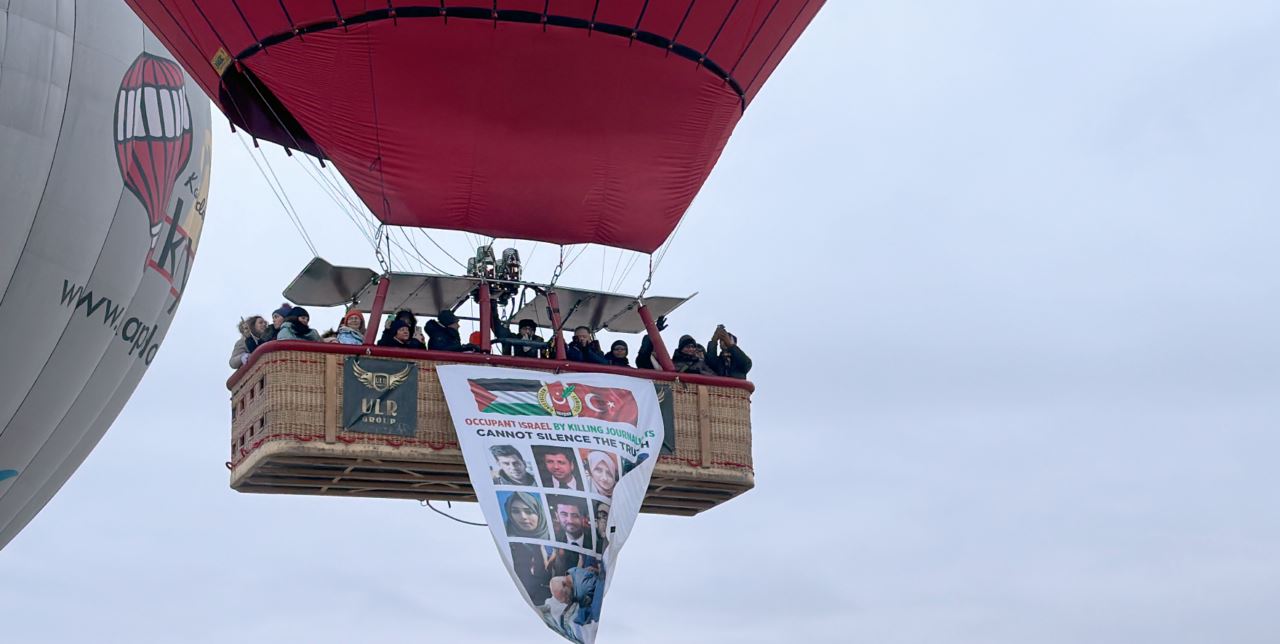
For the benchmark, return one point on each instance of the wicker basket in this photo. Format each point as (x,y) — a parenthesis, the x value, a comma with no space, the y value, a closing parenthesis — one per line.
(285,439)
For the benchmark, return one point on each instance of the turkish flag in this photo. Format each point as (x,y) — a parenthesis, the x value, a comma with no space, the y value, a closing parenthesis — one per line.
(606,403)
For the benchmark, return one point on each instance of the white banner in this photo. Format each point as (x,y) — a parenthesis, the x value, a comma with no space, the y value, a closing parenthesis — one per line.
(560,464)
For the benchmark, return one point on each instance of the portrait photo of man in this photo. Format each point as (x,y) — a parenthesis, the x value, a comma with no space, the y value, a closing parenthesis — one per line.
(558,467)
(510,466)
(601,524)
(572,525)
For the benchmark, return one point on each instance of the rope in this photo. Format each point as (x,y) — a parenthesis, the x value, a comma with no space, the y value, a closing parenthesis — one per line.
(427,504)
(284,202)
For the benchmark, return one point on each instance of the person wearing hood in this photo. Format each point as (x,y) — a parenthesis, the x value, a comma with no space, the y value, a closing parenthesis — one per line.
(585,347)
(403,314)
(617,355)
(400,336)
(296,327)
(252,330)
(725,357)
(689,357)
(443,333)
(277,320)
(644,358)
(352,329)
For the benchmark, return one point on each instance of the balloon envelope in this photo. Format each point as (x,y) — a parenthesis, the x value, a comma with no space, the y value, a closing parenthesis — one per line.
(571,121)
(104,159)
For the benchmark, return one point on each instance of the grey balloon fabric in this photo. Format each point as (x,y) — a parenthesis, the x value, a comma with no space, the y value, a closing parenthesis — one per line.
(105,147)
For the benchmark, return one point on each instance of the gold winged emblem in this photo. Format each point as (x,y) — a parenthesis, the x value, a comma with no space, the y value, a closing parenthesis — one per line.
(380,381)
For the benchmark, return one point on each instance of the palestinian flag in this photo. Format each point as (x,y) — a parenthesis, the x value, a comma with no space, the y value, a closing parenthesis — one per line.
(507,396)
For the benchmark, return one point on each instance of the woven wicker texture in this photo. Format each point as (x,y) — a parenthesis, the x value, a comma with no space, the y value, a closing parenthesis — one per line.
(281,403)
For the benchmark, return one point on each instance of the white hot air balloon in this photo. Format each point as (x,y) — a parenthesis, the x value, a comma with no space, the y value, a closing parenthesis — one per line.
(104,172)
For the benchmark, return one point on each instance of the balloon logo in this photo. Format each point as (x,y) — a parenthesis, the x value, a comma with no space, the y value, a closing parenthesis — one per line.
(153,133)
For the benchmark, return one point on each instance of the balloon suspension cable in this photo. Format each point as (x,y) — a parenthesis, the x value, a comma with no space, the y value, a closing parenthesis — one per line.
(379,237)
(559,268)
(427,504)
(647,281)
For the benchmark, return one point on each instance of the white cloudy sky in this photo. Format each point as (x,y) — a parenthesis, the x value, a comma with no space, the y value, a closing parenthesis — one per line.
(1008,274)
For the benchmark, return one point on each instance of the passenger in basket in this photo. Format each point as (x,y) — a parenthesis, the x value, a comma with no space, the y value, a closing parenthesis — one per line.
(401,337)
(618,354)
(295,326)
(402,314)
(585,347)
(644,359)
(512,470)
(725,357)
(444,334)
(528,330)
(352,329)
(252,330)
(277,320)
(689,357)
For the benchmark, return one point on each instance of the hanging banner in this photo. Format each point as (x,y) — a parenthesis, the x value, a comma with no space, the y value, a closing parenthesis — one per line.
(560,464)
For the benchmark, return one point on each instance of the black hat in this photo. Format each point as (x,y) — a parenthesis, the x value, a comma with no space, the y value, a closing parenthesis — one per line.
(399,324)
(527,323)
(297,312)
(447,318)
(283,311)
(618,343)
(685,340)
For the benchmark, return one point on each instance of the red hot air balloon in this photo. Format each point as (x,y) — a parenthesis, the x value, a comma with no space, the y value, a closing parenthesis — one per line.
(568,121)
(153,133)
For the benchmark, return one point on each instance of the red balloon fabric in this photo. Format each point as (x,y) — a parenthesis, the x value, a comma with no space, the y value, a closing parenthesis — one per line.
(565,121)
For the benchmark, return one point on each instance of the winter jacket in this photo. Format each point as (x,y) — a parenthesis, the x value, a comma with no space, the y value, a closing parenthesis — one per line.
(644,358)
(736,366)
(291,331)
(518,350)
(443,338)
(616,361)
(412,343)
(409,319)
(348,335)
(241,350)
(591,353)
(690,364)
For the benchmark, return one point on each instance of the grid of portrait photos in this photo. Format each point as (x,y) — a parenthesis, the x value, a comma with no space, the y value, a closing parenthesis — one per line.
(555,503)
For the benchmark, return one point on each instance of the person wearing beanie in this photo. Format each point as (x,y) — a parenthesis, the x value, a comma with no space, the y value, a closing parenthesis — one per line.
(403,314)
(585,347)
(725,357)
(400,336)
(352,329)
(618,354)
(525,344)
(443,333)
(688,357)
(296,327)
(277,320)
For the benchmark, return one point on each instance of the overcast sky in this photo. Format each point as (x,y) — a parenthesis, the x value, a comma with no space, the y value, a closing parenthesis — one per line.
(1008,273)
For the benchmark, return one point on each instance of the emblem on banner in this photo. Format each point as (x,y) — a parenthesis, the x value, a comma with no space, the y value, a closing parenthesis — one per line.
(560,399)
(380,381)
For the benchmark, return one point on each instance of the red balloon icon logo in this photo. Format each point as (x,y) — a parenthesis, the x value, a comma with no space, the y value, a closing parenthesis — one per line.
(153,133)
